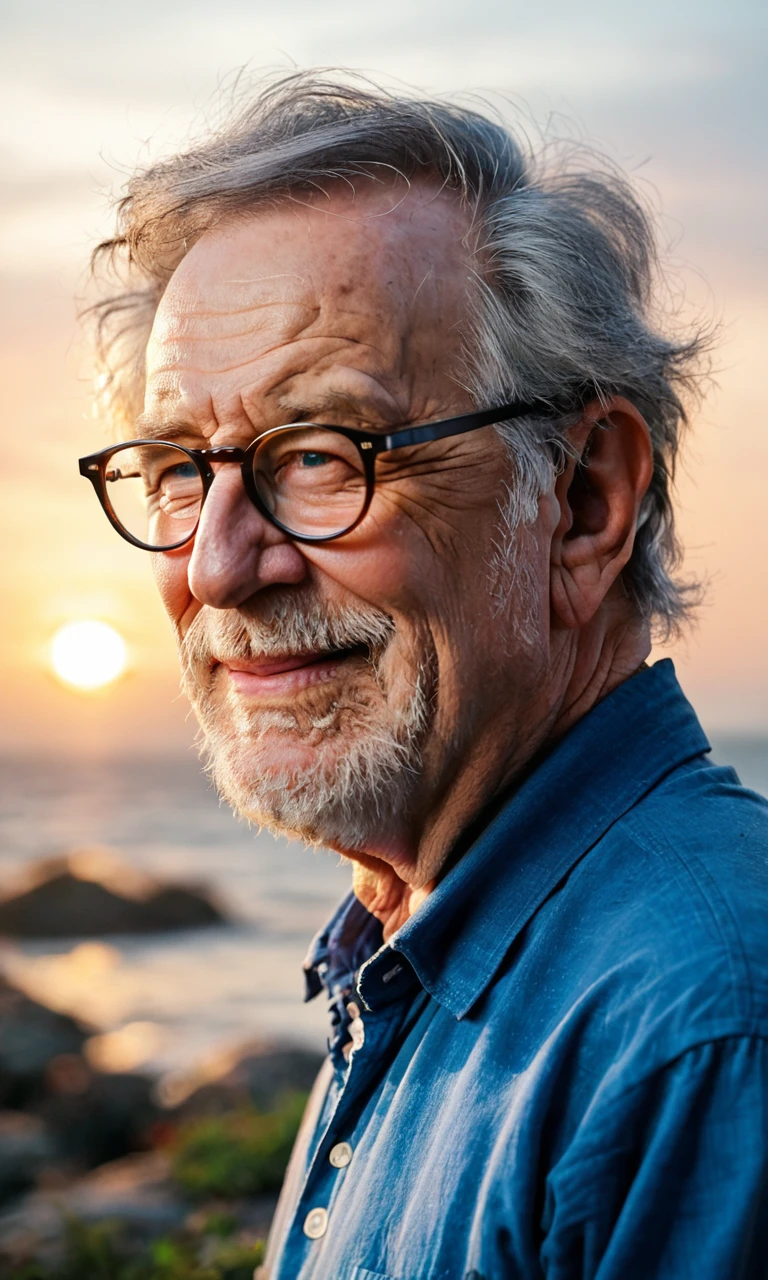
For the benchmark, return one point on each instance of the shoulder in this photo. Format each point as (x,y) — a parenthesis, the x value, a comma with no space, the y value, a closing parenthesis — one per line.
(702,841)
(680,884)
(702,812)
(656,940)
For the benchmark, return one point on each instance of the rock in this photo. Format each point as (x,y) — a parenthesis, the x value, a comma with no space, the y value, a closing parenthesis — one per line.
(31,1036)
(26,1149)
(137,1191)
(88,894)
(90,1117)
(257,1073)
(95,1118)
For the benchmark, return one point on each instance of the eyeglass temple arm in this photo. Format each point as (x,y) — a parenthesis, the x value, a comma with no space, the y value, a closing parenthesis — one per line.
(467,422)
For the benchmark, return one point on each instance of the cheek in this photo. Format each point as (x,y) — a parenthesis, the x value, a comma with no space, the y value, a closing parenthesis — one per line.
(381,567)
(170,572)
(425,594)
(400,565)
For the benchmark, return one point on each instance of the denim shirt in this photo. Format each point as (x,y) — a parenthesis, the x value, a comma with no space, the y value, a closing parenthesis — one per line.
(558,1066)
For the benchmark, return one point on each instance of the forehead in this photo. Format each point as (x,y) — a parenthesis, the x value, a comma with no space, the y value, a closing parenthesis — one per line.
(363,289)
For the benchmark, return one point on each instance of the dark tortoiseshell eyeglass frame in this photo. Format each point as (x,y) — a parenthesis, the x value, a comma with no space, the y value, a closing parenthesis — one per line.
(368,444)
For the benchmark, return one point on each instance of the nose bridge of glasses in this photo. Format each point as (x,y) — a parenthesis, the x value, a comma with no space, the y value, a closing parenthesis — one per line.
(224,453)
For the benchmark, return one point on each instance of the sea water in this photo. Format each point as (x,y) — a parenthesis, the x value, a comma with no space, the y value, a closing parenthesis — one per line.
(172,999)
(190,992)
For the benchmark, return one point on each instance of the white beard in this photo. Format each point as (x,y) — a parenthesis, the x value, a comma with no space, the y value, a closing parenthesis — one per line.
(365,752)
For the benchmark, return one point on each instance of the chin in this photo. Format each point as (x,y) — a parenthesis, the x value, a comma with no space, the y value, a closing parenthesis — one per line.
(338,777)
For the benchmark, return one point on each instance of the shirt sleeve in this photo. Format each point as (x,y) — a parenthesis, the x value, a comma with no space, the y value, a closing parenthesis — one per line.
(669,1180)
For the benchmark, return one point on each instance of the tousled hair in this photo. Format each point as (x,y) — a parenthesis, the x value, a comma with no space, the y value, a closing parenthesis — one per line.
(566,300)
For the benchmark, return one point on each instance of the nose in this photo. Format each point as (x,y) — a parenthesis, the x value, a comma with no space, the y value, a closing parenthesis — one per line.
(236,552)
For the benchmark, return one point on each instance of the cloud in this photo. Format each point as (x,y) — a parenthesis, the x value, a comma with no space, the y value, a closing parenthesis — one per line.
(674,91)
(98,52)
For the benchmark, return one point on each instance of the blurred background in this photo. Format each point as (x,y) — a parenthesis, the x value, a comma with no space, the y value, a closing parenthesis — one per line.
(102,802)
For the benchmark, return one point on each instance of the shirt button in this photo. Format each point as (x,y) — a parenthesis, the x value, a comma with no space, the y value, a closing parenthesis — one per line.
(316,1223)
(340,1155)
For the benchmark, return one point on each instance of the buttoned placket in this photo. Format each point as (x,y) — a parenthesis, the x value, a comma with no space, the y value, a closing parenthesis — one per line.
(373,1031)
(457,944)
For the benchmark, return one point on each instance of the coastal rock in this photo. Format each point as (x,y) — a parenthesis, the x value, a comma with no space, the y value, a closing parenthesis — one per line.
(26,1148)
(95,1118)
(88,1117)
(31,1037)
(257,1073)
(88,894)
(137,1191)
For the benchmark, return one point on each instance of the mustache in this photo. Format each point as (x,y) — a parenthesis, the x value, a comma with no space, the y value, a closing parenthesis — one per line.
(287,627)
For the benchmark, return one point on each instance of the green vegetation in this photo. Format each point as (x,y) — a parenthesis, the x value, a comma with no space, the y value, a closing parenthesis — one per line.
(224,1159)
(103,1253)
(240,1153)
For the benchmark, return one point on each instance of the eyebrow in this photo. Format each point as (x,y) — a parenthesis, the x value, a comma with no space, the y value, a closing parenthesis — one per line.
(148,427)
(367,408)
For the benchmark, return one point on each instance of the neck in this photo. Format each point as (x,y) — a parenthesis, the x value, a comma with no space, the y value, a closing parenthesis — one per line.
(392,881)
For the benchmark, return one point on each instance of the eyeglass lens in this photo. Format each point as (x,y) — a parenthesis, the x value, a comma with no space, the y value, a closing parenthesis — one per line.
(310,479)
(155,492)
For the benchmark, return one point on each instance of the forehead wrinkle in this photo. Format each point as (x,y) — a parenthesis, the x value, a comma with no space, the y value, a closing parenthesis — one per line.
(180,331)
(339,324)
(342,306)
(203,299)
(196,312)
(300,366)
(175,337)
(342,309)
(335,387)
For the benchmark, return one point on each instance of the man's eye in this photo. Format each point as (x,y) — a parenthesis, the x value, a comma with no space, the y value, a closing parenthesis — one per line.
(314,459)
(183,471)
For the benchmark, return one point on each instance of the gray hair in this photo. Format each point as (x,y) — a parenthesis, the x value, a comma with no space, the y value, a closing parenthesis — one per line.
(566,272)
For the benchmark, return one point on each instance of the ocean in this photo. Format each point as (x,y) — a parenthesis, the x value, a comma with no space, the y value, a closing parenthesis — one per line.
(181,995)
(168,1001)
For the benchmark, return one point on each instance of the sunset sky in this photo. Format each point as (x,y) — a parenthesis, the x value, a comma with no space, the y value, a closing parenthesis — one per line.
(674,92)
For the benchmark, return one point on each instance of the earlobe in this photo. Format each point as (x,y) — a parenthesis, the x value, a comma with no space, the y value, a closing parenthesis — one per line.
(599,495)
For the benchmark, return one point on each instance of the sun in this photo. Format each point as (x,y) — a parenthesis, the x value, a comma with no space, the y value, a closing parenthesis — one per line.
(88,654)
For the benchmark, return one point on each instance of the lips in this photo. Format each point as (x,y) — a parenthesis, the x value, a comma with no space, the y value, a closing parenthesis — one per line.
(277,665)
(279,675)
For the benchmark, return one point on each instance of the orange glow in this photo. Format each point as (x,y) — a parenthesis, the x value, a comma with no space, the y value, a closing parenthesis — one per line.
(76,121)
(126,1049)
(88,655)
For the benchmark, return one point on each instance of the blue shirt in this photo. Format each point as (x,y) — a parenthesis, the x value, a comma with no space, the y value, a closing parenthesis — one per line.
(558,1065)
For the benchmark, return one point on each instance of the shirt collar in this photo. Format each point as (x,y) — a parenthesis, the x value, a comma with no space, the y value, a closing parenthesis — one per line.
(335,957)
(602,767)
(459,936)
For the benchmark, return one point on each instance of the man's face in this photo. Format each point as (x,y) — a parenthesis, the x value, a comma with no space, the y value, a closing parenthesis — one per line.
(341,688)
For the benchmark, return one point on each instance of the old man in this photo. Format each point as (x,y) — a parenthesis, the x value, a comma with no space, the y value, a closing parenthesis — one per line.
(398,423)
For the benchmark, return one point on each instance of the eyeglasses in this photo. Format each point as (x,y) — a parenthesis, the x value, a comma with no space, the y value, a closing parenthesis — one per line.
(314,482)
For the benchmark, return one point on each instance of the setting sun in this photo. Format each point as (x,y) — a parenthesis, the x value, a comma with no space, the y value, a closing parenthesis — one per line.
(88,654)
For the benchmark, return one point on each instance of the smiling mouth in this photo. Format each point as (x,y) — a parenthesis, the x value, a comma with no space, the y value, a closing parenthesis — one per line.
(289,673)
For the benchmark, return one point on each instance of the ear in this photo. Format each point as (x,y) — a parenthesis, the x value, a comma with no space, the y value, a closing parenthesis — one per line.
(599,495)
